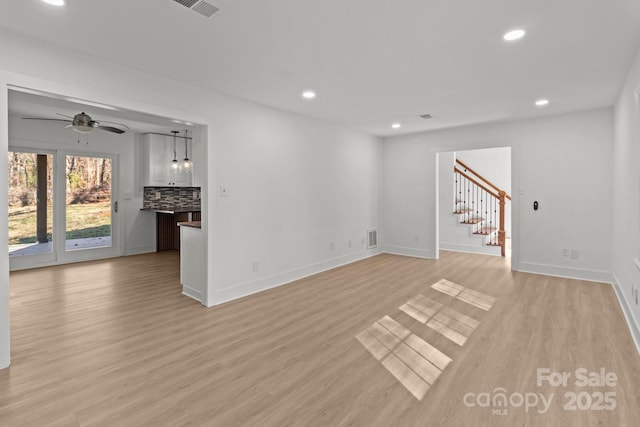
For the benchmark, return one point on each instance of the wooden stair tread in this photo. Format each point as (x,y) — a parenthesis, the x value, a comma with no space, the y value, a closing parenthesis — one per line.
(472,221)
(485,230)
(462,211)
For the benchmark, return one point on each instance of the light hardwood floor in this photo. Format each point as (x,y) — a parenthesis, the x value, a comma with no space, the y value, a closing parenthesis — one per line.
(113,343)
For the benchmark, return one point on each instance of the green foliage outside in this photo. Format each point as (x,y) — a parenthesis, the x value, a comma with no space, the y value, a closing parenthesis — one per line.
(83,221)
(88,196)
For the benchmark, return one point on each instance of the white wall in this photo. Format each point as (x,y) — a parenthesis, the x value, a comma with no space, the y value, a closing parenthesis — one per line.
(136,231)
(5,345)
(296,185)
(492,163)
(564,162)
(626,196)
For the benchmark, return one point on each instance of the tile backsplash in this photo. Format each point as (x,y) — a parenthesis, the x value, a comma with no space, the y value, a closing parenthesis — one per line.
(171,198)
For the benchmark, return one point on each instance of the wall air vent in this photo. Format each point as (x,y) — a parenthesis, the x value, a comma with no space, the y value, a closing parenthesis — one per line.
(204,8)
(425,116)
(372,239)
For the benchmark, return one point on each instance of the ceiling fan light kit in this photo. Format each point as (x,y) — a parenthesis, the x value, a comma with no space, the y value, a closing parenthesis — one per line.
(82,123)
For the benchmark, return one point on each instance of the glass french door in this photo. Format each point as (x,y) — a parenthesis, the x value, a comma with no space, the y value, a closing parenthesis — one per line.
(62,207)
(89,206)
(32,213)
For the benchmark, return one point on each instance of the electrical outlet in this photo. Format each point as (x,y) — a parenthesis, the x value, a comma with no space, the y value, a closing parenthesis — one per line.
(416,238)
(349,243)
(255,266)
(574,254)
(331,246)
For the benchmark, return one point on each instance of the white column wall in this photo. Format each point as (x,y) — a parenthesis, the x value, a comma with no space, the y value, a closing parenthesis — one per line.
(626,197)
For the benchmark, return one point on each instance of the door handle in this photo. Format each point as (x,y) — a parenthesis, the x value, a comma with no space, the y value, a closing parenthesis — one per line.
(115,207)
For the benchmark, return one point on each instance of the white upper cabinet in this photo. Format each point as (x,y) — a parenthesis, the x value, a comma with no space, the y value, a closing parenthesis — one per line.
(157,154)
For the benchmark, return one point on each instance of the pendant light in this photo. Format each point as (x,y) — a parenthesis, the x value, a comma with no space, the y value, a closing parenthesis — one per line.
(174,162)
(186,163)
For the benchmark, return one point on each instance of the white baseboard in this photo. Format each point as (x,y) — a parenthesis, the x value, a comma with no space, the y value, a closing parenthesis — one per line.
(192,293)
(5,352)
(457,247)
(568,272)
(634,328)
(412,252)
(269,282)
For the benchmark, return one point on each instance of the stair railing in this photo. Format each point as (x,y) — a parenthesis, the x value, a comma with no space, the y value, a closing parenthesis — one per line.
(481,203)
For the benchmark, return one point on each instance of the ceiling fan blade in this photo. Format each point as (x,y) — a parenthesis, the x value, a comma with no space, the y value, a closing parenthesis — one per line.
(122,125)
(111,129)
(43,118)
(64,115)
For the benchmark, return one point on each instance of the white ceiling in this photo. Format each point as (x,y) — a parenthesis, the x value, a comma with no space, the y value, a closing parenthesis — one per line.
(50,106)
(371,62)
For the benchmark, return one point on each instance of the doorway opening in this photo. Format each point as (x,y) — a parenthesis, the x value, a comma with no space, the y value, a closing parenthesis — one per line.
(474,199)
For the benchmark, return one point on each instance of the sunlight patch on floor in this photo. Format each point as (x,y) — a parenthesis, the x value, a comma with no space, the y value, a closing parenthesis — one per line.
(446,321)
(475,298)
(415,363)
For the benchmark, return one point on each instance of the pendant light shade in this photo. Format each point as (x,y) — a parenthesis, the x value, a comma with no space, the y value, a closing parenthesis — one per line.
(186,164)
(174,162)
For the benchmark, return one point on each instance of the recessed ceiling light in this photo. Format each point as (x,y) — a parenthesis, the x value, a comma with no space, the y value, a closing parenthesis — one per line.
(396,125)
(514,35)
(542,102)
(308,94)
(55,2)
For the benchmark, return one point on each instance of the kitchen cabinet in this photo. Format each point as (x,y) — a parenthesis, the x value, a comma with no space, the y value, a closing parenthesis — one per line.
(157,154)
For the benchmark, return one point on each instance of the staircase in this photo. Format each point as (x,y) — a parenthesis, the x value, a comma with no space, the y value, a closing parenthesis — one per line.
(480,204)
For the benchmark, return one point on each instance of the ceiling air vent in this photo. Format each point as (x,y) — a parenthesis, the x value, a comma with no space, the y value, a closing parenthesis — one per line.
(202,7)
(206,9)
(426,116)
(188,3)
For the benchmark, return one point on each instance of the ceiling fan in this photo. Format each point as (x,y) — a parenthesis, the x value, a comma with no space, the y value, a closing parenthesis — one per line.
(83,123)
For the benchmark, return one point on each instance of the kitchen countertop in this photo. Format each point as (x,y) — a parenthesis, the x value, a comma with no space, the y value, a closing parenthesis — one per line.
(170,211)
(193,224)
